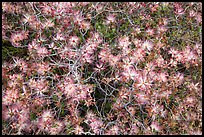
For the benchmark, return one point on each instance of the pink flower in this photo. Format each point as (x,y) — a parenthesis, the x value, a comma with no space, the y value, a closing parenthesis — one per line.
(46,8)
(42,86)
(130,72)
(57,127)
(87,57)
(165,94)
(155,126)
(137,30)
(98,7)
(114,130)
(42,51)
(179,78)
(17,37)
(160,61)
(173,62)
(78,130)
(199,17)
(142,98)
(85,25)
(154,7)
(192,13)
(99,67)
(150,32)
(70,90)
(28,18)
(163,77)
(110,19)
(179,11)
(90,116)
(73,40)
(137,43)
(139,54)
(124,42)
(113,60)
(48,24)
(150,66)
(95,126)
(103,55)
(5,112)
(42,68)
(161,29)
(193,86)
(97,38)
(47,116)
(7,7)
(32,46)
(59,37)
(78,19)
(147,45)
(10,96)
(178,8)
(143,83)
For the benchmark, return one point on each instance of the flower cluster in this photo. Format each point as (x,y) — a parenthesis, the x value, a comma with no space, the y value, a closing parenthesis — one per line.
(102,68)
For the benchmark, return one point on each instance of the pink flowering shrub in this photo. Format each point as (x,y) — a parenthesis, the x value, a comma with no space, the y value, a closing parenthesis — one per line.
(102,68)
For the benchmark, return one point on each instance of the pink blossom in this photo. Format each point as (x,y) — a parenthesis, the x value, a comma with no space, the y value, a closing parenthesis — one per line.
(150,66)
(192,13)
(173,62)
(78,19)
(95,126)
(42,68)
(32,46)
(142,98)
(199,17)
(165,94)
(110,19)
(114,130)
(137,30)
(48,24)
(90,116)
(163,77)
(113,60)
(147,45)
(98,7)
(28,18)
(155,126)
(150,32)
(59,37)
(143,83)
(19,36)
(42,51)
(160,61)
(124,42)
(85,25)
(103,55)
(70,90)
(139,54)
(73,40)
(57,127)
(78,130)
(162,29)
(47,116)
(179,57)
(99,67)
(137,42)
(179,78)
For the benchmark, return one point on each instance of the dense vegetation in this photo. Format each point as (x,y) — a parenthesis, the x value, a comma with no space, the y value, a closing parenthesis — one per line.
(113,68)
